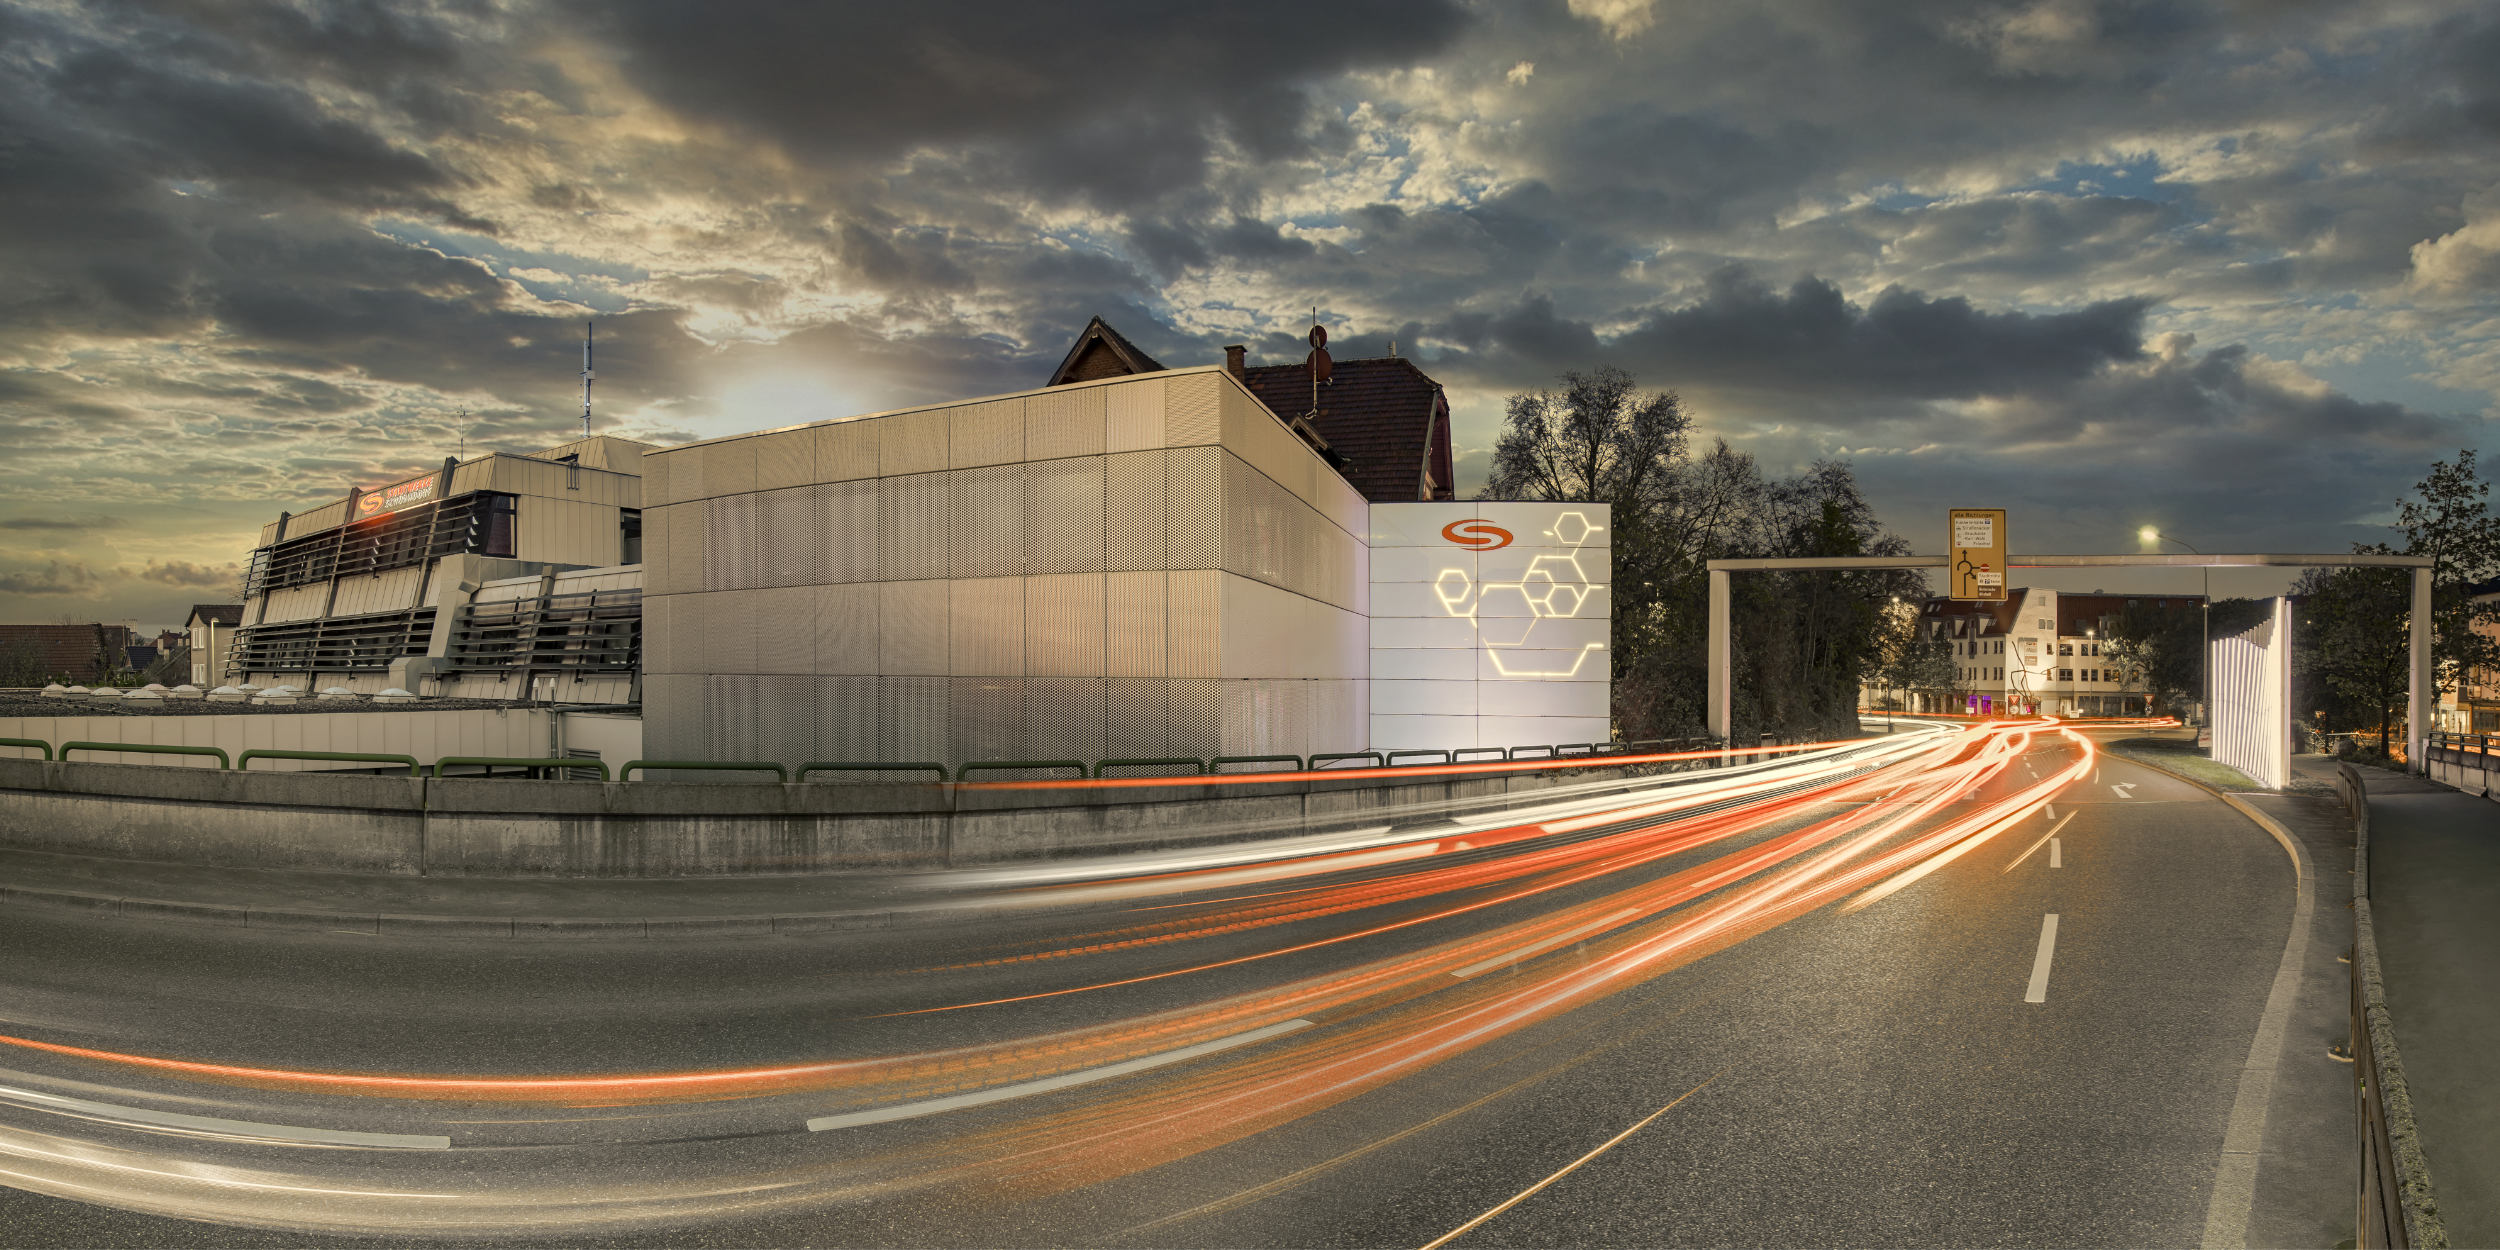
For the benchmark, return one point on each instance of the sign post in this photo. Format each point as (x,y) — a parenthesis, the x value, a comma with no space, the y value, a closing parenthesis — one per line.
(1975,567)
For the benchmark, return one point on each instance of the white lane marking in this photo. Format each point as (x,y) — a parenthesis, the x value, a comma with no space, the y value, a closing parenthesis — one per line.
(1536,948)
(212,1124)
(2125,789)
(2039,991)
(2054,862)
(2051,809)
(911,1110)
(2018,860)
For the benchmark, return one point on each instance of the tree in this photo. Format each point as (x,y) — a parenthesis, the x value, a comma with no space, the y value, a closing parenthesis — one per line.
(2161,650)
(2354,641)
(1804,640)
(22,665)
(1913,661)
(2451,522)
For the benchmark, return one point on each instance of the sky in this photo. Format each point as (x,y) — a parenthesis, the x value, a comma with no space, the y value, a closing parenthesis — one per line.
(2231,269)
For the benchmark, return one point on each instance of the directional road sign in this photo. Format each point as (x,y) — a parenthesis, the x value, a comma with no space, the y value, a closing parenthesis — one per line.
(1976,568)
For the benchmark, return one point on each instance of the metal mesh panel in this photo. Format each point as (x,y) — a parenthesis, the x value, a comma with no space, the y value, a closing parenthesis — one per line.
(1191,415)
(727,643)
(728,467)
(732,561)
(986,433)
(785,629)
(1133,510)
(785,720)
(846,720)
(672,715)
(1063,421)
(987,518)
(1063,718)
(912,529)
(689,546)
(846,628)
(985,718)
(911,719)
(659,635)
(1245,705)
(1063,527)
(911,627)
(846,450)
(846,531)
(1063,622)
(655,481)
(1133,415)
(1193,508)
(1196,720)
(1193,625)
(913,442)
(784,459)
(729,712)
(987,616)
(656,565)
(1254,522)
(786,538)
(1133,625)
(1134,717)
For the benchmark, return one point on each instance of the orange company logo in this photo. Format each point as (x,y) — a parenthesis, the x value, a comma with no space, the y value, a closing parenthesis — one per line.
(1476,532)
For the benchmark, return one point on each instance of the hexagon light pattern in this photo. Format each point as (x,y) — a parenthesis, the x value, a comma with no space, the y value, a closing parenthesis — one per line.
(1552,587)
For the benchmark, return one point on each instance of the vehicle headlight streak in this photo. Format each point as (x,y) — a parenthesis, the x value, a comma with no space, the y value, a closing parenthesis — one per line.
(1379,1020)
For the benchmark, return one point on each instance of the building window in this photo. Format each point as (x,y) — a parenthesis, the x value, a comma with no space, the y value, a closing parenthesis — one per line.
(499,526)
(2046,623)
(2065,648)
(629,527)
(2065,674)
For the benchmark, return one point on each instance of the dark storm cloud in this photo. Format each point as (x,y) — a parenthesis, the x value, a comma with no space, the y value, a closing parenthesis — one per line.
(1117,101)
(1810,340)
(56,578)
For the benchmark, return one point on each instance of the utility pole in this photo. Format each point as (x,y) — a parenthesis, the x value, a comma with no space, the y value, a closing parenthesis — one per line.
(586,376)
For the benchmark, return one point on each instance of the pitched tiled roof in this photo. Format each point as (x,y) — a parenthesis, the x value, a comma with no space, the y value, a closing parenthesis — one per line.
(1378,413)
(217,613)
(1101,352)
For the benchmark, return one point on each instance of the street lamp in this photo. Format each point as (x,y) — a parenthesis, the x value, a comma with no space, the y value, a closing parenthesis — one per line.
(2204,661)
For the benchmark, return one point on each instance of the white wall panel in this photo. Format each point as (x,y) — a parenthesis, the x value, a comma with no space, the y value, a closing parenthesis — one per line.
(1424,733)
(1541,698)
(1442,632)
(1424,664)
(1392,697)
(1592,664)
(1193,624)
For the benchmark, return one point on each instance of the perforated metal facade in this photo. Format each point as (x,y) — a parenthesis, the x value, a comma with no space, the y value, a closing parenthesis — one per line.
(1122,568)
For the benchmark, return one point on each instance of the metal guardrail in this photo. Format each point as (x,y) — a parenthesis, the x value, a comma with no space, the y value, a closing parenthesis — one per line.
(1196,765)
(1325,758)
(37,743)
(2394,1204)
(2464,761)
(1439,757)
(147,748)
(1216,765)
(887,766)
(627,773)
(244,761)
(491,762)
(967,770)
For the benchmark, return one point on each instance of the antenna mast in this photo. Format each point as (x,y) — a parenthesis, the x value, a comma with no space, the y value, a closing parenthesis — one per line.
(586,377)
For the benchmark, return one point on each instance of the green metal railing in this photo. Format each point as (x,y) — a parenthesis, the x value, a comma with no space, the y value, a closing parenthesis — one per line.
(244,760)
(147,748)
(965,773)
(627,773)
(37,743)
(1334,757)
(914,767)
(500,761)
(1196,765)
(1217,764)
(1438,757)
(1515,753)
(1459,756)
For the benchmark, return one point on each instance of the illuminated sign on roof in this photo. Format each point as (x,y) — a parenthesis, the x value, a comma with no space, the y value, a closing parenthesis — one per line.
(415,490)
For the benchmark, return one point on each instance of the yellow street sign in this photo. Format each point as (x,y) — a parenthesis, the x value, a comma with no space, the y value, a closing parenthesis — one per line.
(1976,568)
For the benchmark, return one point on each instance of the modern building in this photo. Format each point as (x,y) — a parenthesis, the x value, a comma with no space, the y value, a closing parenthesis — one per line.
(1127,562)
(499,576)
(2039,652)
(2473,704)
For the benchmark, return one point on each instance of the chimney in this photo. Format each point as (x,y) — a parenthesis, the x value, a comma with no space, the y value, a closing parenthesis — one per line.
(1236,358)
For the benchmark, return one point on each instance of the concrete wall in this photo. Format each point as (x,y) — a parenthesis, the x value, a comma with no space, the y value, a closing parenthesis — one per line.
(478,827)
(2252,680)
(1142,566)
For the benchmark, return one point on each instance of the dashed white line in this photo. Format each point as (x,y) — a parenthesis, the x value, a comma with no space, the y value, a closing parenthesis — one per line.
(2044,839)
(981,1097)
(2039,991)
(221,1127)
(2054,862)
(2051,809)
(1534,948)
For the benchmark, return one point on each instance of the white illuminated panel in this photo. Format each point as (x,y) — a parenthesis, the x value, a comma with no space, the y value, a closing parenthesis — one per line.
(1490,624)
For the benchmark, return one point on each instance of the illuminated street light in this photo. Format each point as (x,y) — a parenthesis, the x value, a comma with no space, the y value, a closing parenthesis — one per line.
(2204,662)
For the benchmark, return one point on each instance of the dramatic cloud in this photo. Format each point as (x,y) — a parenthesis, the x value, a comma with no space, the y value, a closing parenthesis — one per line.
(2236,264)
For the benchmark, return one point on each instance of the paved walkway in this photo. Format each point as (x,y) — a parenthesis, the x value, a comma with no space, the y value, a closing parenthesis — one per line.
(2435,896)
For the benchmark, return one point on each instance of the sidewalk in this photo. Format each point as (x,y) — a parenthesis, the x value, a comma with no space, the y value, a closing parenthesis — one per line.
(2435,896)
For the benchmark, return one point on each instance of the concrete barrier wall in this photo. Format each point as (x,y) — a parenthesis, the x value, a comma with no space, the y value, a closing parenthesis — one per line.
(469,826)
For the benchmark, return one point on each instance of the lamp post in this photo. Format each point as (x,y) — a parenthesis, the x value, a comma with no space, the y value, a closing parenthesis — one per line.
(2204,660)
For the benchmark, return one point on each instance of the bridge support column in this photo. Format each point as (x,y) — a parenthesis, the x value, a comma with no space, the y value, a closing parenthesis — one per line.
(1720,714)
(2421,690)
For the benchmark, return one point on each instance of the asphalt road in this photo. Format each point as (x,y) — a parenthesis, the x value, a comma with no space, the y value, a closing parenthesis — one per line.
(1814,1076)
